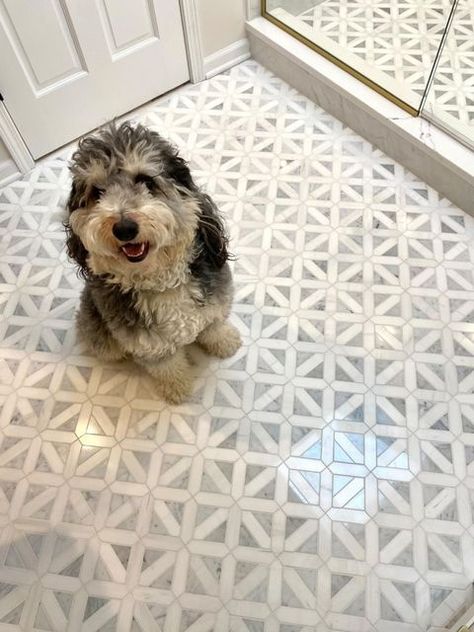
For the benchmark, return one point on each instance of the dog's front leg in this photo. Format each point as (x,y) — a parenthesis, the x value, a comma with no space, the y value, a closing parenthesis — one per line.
(220,339)
(172,374)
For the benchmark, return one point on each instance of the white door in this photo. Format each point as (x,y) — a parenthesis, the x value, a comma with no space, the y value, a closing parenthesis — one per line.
(67,66)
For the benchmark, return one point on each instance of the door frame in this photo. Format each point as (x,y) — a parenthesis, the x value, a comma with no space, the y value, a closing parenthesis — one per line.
(195,56)
(14,142)
(193,41)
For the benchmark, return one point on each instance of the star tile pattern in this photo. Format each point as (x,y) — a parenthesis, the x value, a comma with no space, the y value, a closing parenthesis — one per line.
(323,478)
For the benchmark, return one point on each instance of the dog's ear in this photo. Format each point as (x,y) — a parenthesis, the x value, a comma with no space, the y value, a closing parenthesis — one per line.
(175,167)
(74,246)
(211,237)
(179,171)
(75,250)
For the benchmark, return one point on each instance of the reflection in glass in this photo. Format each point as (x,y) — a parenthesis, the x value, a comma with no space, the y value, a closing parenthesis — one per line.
(450,101)
(393,43)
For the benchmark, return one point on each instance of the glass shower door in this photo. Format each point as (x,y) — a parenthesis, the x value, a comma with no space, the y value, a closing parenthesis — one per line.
(450,97)
(389,44)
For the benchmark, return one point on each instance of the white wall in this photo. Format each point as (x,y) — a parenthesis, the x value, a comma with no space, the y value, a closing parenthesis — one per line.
(222,23)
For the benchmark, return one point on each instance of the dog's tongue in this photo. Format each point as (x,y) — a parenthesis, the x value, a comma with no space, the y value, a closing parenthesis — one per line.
(134,250)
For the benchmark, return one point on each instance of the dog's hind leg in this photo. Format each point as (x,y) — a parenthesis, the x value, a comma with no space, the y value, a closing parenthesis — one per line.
(173,376)
(220,339)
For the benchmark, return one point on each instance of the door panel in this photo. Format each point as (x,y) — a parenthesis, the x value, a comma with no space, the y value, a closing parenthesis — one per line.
(42,65)
(124,29)
(87,62)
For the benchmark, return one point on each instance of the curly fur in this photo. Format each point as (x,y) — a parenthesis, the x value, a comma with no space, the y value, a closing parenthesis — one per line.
(177,292)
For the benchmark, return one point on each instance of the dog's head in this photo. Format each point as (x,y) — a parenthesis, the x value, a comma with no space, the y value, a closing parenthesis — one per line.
(134,207)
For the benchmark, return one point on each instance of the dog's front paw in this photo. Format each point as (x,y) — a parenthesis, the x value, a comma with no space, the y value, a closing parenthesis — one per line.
(176,389)
(221,340)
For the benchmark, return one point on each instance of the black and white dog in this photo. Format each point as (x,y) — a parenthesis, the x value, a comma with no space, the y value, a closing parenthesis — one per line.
(153,251)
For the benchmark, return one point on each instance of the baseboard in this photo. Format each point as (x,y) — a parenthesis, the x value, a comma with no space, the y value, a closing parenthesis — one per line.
(226,57)
(8,172)
(434,156)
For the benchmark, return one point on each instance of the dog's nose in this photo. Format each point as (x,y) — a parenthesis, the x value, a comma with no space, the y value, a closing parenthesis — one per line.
(125,229)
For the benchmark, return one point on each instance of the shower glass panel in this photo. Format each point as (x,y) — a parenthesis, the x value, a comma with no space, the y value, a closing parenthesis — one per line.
(392,45)
(450,100)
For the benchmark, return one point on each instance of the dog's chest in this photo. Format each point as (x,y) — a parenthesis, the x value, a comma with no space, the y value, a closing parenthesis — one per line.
(177,315)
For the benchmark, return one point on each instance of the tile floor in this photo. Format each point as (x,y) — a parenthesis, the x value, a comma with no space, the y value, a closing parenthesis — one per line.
(323,479)
(400,40)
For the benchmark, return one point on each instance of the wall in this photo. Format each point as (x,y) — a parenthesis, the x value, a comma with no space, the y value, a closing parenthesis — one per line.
(222,23)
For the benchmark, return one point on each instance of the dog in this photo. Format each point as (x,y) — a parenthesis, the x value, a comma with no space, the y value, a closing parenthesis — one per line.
(153,250)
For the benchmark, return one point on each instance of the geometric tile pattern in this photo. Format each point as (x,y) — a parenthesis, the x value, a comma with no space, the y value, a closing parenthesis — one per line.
(323,478)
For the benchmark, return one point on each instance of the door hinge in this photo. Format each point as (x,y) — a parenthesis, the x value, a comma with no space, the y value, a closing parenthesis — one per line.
(1,97)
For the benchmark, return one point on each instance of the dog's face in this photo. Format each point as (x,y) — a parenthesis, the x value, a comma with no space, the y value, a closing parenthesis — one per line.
(131,202)
(127,216)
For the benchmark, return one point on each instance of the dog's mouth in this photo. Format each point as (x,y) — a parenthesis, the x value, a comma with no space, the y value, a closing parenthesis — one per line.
(136,252)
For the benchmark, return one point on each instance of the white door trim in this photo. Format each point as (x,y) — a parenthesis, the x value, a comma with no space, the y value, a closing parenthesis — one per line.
(192,36)
(14,142)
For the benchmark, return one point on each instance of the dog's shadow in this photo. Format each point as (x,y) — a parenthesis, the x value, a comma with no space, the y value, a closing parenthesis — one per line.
(202,366)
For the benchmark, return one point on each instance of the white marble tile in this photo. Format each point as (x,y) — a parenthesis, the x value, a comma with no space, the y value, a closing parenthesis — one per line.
(323,479)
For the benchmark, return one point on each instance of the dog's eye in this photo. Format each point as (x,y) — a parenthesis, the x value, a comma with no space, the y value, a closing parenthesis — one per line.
(94,194)
(148,181)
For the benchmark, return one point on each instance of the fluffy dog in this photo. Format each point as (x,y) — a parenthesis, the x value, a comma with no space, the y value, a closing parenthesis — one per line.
(152,249)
